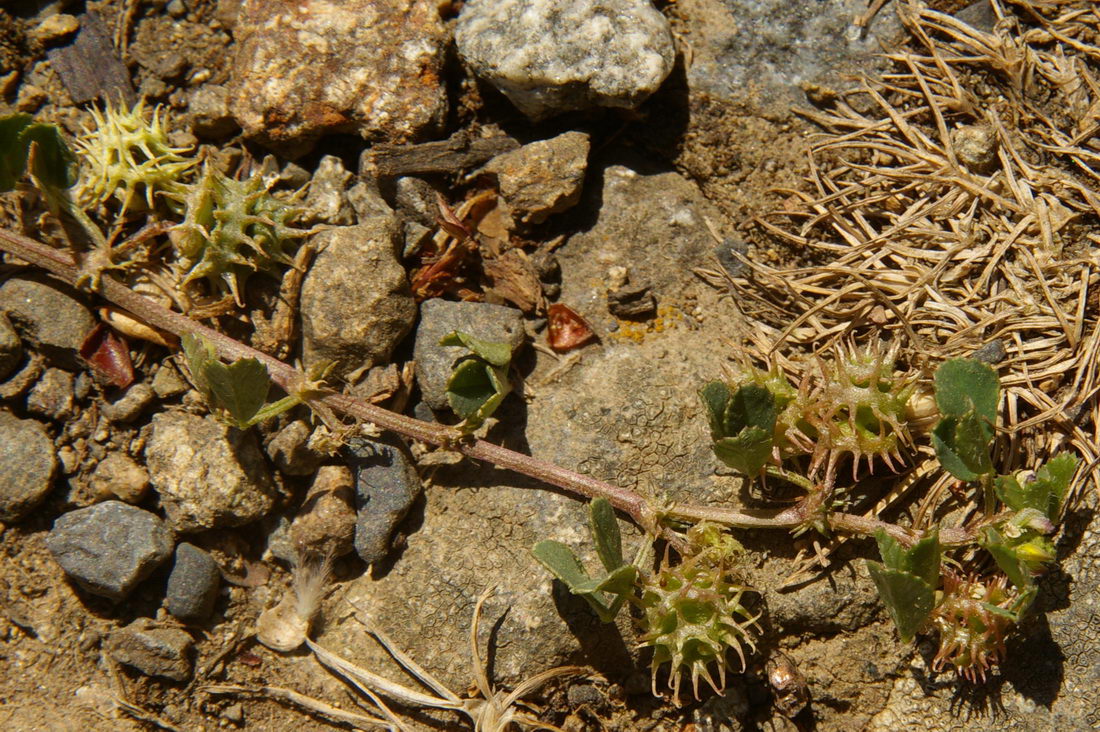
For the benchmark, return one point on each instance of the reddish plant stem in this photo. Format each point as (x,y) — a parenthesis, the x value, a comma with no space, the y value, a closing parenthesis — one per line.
(292,380)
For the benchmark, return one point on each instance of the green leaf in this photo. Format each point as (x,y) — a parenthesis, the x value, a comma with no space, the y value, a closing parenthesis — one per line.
(562,563)
(965,385)
(716,396)
(908,598)
(922,560)
(747,452)
(605,533)
(199,353)
(496,353)
(476,389)
(962,446)
(1044,491)
(750,406)
(1005,557)
(13,150)
(55,165)
(239,388)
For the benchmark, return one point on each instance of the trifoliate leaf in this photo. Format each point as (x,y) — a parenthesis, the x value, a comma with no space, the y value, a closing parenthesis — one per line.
(750,406)
(962,446)
(922,560)
(475,389)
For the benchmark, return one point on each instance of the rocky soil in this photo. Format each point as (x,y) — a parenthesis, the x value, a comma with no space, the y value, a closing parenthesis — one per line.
(619,147)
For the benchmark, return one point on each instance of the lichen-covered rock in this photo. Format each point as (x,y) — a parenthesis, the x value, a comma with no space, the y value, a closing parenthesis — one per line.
(208,475)
(49,315)
(549,57)
(110,547)
(438,318)
(327,201)
(356,303)
(27,466)
(307,68)
(542,178)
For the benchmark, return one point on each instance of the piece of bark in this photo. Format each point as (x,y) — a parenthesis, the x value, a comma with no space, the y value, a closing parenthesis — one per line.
(456,154)
(89,66)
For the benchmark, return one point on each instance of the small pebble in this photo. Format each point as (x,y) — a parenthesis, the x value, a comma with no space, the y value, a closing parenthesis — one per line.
(120,476)
(11,348)
(130,404)
(289,450)
(325,524)
(56,27)
(386,485)
(52,395)
(110,547)
(168,383)
(27,464)
(193,584)
(151,649)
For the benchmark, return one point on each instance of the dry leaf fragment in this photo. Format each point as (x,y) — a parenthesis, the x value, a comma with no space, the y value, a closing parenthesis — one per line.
(566,329)
(109,355)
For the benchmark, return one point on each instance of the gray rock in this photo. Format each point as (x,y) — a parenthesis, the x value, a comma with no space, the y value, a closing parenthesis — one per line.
(309,68)
(549,57)
(152,649)
(327,201)
(49,315)
(386,485)
(208,474)
(27,466)
(326,523)
(415,200)
(438,318)
(120,475)
(356,303)
(130,404)
(52,395)
(110,547)
(760,53)
(542,178)
(209,110)
(289,450)
(193,584)
(11,348)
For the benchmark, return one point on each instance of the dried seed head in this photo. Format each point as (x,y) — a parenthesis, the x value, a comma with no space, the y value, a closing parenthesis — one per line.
(128,157)
(973,620)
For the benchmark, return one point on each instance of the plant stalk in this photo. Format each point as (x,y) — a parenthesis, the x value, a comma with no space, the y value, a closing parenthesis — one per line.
(291,380)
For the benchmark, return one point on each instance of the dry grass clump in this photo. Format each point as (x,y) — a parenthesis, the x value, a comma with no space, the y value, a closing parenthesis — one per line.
(952,203)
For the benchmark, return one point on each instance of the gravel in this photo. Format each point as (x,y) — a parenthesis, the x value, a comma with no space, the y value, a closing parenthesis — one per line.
(110,547)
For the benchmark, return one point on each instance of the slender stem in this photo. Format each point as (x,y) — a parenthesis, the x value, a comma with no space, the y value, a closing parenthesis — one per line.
(291,380)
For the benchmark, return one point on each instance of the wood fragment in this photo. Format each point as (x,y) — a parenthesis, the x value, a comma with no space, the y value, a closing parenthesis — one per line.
(455,155)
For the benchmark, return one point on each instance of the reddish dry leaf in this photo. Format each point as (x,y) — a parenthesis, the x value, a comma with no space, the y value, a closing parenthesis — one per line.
(109,355)
(566,329)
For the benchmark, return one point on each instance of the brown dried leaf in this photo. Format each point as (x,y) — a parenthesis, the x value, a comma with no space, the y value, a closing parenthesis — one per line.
(512,277)
(566,329)
(108,354)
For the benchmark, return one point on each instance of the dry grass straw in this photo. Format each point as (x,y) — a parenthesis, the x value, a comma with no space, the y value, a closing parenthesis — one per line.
(905,234)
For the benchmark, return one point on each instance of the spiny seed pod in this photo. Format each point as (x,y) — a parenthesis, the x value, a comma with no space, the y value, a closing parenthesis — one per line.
(973,619)
(230,229)
(128,157)
(692,617)
(858,407)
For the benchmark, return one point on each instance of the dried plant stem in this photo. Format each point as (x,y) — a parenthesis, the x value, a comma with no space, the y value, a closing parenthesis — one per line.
(636,506)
